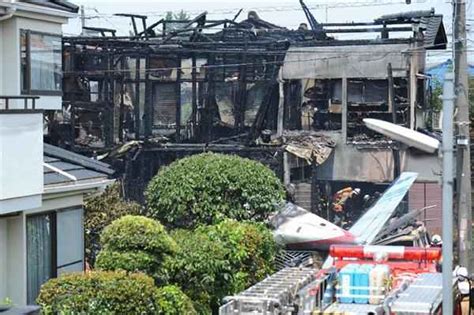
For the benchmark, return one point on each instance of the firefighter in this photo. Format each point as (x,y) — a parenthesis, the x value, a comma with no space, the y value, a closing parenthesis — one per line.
(339,203)
(436,241)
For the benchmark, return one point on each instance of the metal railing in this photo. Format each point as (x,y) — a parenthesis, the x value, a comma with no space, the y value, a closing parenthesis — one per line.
(29,101)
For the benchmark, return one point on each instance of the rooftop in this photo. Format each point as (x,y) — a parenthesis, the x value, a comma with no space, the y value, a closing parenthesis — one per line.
(62,167)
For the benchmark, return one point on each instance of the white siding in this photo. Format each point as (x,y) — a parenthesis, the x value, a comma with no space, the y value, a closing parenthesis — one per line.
(1,59)
(16,263)
(11,58)
(13,246)
(21,155)
(3,258)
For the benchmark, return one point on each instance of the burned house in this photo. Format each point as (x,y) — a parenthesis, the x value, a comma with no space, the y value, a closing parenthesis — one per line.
(345,81)
(293,99)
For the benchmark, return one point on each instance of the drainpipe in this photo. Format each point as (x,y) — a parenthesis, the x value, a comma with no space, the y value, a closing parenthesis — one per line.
(281,103)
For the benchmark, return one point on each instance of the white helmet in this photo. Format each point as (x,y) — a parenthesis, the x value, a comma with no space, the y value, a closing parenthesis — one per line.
(436,240)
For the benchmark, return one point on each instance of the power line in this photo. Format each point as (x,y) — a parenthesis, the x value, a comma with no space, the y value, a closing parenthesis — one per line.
(280,62)
(264,9)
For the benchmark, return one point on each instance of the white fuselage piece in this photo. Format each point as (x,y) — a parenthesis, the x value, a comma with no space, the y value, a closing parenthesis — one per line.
(298,229)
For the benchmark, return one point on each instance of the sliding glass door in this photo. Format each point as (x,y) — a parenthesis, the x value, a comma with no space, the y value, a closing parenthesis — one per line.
(55,245)
(40,234)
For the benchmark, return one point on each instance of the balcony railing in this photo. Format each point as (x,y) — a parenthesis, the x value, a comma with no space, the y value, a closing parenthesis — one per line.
(29,101)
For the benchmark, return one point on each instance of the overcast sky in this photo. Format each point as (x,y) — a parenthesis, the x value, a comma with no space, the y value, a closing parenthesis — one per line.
(286,13)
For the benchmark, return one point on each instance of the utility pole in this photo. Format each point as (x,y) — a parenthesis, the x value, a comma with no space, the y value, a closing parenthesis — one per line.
(447,151)
(463,163)
(83,20)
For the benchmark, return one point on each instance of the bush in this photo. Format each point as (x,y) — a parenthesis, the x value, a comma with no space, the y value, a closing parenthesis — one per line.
(137,233)
(100,211)
(253,248)
(170,300)
(215,261)
(207,188)
(99,293)
(130,261)
(135,243)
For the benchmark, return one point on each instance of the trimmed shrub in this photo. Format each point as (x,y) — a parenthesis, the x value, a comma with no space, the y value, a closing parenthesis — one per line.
(99,293)
(207,188)
(137,233)
(215,261)
(170,300)
(100,211)
(135,243)
(130,261)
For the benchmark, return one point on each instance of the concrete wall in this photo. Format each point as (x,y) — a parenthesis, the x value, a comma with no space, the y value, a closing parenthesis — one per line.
(348,163)
(354,61)
(13,274)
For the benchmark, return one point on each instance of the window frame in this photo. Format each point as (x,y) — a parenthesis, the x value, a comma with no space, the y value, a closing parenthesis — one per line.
(54,237)
(27,90)
(53,215)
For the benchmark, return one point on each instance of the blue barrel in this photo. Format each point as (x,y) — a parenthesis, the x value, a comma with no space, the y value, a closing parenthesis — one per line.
(345,284)
(362,284)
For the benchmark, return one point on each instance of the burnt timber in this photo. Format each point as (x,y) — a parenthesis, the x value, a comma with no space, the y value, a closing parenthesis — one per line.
(175,88)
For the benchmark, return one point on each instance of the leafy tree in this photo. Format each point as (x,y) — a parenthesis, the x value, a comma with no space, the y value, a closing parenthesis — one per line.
(102,292)
(135,243)
(170,16)
(215,261)
(207,188)
(181,15)
(99,212)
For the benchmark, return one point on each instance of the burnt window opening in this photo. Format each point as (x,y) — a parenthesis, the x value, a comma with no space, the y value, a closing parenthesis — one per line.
(321,105)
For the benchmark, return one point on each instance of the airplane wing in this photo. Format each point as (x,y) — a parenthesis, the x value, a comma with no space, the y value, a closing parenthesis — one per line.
(374,220)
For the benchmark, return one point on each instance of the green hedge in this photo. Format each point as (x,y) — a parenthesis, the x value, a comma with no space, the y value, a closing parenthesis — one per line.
(207,188)
(215,261)
(170,300)
(135,243)
(99,293)
(137,233)
(100,211)
(130,261)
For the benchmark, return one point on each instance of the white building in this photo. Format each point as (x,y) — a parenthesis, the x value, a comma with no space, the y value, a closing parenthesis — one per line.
(41,187)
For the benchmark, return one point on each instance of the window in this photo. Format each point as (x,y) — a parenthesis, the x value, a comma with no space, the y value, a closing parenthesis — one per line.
(41,63)
(39,235)
(55,245)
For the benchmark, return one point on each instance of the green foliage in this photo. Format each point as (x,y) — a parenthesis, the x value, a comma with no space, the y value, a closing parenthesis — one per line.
(436,97)
(99,212)
(181,15)
(170,300)
(137,261)
(137,233)
(6,302)
(207,188)
(215,261)
(99,293)
(135,243)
